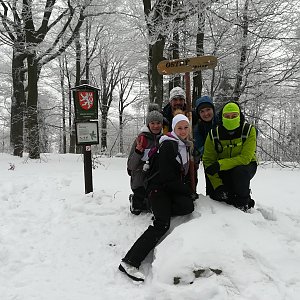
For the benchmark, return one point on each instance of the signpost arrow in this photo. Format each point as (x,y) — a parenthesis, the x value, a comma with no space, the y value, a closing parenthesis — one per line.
(173,66)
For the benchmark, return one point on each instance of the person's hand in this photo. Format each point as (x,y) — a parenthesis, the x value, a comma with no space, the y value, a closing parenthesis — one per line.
(221,194)
(213,169)
(141,143)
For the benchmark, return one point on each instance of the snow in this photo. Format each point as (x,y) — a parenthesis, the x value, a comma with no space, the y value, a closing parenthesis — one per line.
(58,243)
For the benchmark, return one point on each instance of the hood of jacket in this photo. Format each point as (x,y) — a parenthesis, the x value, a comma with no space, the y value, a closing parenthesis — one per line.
(204,100)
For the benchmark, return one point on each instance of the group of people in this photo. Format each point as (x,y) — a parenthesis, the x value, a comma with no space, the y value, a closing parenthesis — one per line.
(163,166)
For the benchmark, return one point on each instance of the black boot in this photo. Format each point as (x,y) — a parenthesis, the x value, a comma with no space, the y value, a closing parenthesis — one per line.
(131,271)
(133,209)
(249,205)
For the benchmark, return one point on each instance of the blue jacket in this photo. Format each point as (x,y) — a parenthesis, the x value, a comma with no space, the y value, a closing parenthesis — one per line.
(202,128)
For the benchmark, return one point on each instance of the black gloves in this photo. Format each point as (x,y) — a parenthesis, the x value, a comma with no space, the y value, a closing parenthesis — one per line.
(220,194)
(213,169)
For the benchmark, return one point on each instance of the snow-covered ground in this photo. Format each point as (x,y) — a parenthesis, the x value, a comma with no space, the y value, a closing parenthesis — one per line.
(56,243)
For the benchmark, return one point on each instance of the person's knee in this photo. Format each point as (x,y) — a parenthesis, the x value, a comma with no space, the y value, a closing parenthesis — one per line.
(161,226)
(240,171)
(189,207)
(186,208)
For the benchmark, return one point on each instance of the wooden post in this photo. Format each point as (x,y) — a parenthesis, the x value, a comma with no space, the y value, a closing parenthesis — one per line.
(187,79)
(187,65)
(87,161)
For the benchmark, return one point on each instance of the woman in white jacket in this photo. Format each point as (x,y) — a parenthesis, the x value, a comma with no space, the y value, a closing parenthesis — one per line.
(170,194)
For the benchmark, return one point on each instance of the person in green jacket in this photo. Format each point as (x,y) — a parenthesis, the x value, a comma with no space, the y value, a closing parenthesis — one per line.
(229,158)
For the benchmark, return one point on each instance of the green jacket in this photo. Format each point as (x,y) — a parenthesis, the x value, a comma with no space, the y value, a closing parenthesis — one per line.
(234,153)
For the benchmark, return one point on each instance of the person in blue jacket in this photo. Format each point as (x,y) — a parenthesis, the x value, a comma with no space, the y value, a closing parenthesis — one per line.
(205,119)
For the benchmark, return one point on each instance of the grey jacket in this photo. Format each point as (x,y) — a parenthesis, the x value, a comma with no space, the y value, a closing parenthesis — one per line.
(136,159)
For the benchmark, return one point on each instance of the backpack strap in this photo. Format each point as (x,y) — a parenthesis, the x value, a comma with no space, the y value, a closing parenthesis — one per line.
(214,134)
(176,150)
(246,131)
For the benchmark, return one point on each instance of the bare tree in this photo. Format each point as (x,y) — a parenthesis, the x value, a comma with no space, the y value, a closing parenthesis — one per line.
(13,35)
(109,68)
(244,49)
(157,21)
(125,99)
(62,69)
(34,42)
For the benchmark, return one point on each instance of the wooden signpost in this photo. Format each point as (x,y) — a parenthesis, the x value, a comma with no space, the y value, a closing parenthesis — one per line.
(174,66)
(86,125)
(187,65)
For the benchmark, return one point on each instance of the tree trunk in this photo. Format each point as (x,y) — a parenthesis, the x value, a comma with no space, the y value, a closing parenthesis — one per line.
(73,147)
(156,80)
(239,76)
(121,143)
(87,56)
(197,78)
(175,48)
(161,11)
(62,86)
(17,105)
(72,136)
(32,114)
(104,130)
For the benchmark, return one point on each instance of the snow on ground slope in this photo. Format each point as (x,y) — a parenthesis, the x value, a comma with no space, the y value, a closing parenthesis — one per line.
(258,255)
(58,243)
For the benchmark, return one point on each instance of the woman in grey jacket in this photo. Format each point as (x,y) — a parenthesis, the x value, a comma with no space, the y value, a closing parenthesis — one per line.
(145,144)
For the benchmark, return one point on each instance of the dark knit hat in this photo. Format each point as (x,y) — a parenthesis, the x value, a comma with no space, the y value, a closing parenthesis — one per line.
(153,114)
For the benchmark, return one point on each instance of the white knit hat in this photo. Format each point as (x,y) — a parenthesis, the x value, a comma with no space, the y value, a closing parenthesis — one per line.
(178,118)
(177,92)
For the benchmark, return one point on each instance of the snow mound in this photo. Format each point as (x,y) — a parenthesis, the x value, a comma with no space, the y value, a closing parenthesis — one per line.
(243,245)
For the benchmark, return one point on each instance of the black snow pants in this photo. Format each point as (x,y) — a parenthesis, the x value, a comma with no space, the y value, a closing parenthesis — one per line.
(237,183)
(164,205)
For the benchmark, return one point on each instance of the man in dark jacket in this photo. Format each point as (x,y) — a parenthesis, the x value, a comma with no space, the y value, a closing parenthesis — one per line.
(177,101)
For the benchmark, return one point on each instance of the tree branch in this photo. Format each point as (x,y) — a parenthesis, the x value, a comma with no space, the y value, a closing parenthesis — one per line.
(42,31)
(6,20)
(44,60)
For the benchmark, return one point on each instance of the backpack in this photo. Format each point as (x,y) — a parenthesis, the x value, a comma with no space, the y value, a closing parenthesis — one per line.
(244,135)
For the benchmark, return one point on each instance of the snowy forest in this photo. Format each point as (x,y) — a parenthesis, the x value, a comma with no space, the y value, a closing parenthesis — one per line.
(48,47)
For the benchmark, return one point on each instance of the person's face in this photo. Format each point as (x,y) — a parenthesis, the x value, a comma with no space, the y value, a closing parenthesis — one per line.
(206,114)
(155,127)
(177,103)
(231,115)
(182,129)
